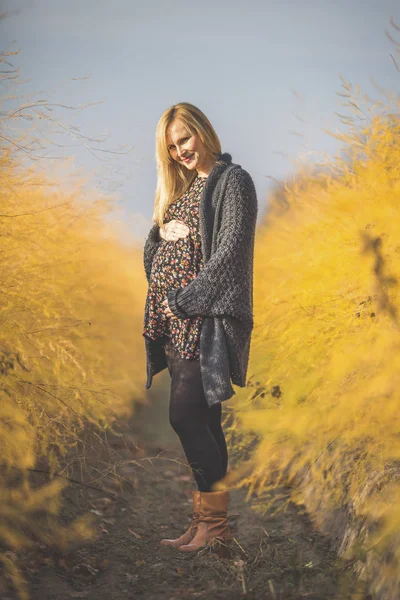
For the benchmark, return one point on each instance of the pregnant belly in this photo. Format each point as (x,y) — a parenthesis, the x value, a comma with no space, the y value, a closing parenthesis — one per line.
(173,264)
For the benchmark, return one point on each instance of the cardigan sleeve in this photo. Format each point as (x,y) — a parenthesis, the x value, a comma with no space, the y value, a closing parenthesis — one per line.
(224,285)
(150,247)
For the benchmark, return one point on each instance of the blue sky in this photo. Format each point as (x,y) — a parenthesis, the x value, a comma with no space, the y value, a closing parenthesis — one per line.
(266,73)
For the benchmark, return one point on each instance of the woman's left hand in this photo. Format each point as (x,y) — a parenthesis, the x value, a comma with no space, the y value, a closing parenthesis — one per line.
(167,309)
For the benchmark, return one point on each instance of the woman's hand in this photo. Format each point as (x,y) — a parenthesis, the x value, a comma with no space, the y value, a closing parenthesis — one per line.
(174,230)
(167,309)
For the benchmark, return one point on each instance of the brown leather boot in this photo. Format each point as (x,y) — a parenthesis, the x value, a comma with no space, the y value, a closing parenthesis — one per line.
(213,522)
(190,533)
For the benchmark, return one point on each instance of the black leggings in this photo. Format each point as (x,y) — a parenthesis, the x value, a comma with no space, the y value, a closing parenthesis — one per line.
(197,425)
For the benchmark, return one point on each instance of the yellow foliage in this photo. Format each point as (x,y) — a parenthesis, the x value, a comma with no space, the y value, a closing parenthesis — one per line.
(325,364)
(71,349)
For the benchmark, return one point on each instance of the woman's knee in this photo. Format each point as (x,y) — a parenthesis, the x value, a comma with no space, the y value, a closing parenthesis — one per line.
(182,420)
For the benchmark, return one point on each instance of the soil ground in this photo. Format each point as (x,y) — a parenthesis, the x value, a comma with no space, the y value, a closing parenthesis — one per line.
(273,556)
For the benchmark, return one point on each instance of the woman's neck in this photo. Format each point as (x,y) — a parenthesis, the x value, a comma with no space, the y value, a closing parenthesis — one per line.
(206,167)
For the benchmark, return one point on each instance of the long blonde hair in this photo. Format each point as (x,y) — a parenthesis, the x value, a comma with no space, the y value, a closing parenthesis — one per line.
(173,179)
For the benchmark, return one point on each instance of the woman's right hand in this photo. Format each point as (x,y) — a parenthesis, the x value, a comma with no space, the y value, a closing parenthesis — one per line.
(174,230)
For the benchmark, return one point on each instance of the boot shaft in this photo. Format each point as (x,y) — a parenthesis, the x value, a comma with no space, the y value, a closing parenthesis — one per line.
(213,504)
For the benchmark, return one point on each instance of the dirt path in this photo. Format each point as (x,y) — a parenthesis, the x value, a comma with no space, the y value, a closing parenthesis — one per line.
(276,557)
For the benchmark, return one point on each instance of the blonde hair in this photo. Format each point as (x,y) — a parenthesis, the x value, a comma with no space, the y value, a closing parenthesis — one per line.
(173,179)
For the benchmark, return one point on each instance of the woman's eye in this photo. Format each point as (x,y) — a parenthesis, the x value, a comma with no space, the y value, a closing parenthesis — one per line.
(183,141)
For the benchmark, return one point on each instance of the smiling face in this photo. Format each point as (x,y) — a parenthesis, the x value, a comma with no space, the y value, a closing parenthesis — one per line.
(188,149)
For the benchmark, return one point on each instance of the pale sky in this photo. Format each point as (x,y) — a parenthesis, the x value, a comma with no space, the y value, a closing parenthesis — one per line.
(266,73)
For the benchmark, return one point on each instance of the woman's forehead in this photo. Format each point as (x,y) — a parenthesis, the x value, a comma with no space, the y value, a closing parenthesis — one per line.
(175,131)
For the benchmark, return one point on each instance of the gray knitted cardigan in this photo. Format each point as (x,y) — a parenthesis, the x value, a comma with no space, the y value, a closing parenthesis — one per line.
(222,292)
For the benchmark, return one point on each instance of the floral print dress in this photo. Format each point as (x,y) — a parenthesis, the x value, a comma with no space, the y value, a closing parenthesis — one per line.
(175,264)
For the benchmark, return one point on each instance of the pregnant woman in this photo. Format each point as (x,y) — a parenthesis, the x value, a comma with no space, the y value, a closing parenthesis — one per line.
(198,259)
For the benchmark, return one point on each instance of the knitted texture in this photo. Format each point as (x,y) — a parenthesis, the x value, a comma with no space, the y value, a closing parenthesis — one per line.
(222,292)
(152,242)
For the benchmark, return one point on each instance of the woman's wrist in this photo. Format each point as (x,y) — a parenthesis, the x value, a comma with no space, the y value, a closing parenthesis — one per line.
(173,305)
